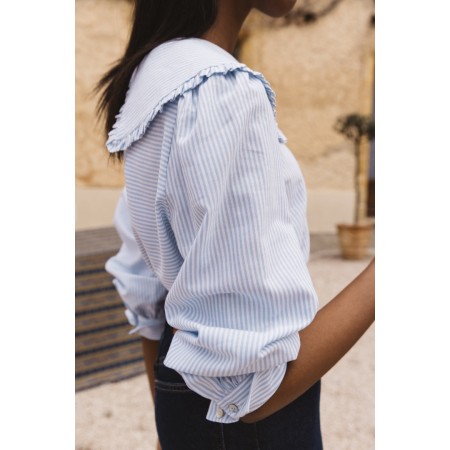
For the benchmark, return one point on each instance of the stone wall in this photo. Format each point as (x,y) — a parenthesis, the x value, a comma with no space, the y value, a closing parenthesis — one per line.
(319,71)
(101,34)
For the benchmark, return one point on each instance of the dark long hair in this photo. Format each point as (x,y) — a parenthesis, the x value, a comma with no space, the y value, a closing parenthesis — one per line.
(154,22)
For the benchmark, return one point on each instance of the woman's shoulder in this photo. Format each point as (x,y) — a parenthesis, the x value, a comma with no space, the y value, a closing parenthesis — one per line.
(168,73)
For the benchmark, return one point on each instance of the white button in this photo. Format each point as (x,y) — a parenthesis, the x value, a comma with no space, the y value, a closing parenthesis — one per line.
(233,408)
(219,413)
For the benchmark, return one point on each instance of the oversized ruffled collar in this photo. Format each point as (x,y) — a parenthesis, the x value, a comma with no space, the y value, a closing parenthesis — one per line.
(166,73)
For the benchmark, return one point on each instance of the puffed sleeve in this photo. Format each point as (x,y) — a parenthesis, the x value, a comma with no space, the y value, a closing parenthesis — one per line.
(243,291)
(139,288)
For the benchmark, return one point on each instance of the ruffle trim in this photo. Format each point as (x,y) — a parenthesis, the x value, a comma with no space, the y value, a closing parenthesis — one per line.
(116,142)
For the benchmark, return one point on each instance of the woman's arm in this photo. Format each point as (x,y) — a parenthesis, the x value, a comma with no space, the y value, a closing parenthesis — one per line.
(332,333)
(140,289)
(150,350)
(237,212)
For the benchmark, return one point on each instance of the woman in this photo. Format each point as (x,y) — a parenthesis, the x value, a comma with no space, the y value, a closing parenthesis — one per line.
(215,242)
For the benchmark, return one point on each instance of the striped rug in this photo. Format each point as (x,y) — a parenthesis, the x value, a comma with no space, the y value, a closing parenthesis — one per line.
(104,351)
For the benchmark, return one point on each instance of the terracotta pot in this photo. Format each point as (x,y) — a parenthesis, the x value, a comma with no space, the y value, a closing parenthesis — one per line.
(355,240)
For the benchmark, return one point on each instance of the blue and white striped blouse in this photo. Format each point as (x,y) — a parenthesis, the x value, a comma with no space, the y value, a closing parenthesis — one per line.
(213,224)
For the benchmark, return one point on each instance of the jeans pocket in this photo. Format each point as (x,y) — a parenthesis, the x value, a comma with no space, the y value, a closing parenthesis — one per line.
(170,386)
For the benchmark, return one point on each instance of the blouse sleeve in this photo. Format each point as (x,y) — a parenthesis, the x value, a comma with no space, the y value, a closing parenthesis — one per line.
(243,291)
(139,288)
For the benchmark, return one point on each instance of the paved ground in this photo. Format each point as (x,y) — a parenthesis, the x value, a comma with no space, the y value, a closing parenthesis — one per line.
(119,416)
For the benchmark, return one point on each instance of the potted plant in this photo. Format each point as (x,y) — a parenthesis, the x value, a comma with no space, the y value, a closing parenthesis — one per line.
(355,238)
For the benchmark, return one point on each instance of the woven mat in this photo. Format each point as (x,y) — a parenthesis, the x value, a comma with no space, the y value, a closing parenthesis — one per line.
(104,351)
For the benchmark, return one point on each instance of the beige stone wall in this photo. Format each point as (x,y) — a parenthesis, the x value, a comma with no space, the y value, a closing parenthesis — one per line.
(101,33)
(319,72)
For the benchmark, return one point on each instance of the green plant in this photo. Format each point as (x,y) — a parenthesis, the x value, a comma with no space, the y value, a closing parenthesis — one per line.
(356,128)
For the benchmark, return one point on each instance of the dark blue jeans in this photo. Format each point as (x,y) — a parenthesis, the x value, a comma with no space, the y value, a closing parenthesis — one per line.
(180,418)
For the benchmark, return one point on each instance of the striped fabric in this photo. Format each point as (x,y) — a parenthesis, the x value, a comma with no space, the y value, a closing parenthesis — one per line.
(213,222)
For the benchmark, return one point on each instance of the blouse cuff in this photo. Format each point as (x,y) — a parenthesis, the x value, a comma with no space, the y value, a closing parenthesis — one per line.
(149,328)
(252,391)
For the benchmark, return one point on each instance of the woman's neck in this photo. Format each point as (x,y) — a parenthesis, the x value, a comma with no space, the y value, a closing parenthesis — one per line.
(226,28)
